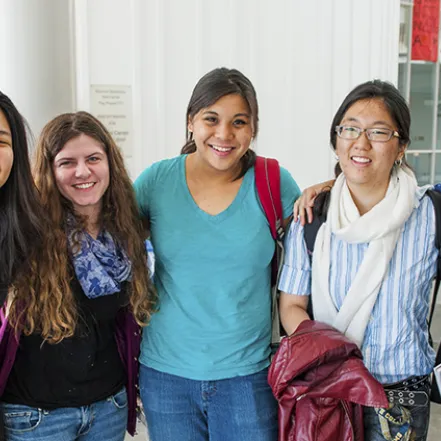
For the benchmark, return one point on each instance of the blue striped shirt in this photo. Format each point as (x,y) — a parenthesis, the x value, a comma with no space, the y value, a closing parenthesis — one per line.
(396,343)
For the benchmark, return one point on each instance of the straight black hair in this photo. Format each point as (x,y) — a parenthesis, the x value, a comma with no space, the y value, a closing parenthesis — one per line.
(398,110)
(21,215)
(394,102)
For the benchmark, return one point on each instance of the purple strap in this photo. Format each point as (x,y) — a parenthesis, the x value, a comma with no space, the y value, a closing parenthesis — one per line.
(3,323)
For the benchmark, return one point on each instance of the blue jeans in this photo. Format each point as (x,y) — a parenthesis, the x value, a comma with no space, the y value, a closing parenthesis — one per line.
(419,420)
(103,420)
(235,409)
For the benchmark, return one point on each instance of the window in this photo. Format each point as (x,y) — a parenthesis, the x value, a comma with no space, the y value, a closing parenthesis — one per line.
(419,82)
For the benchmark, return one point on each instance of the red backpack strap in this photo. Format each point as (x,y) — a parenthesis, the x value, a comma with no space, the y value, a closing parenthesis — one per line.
(267,177)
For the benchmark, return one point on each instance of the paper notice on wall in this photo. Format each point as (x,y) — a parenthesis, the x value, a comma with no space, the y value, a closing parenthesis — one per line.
(425,30)
(112,105)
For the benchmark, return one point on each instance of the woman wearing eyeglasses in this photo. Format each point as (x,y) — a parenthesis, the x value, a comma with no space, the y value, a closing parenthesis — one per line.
(374,258)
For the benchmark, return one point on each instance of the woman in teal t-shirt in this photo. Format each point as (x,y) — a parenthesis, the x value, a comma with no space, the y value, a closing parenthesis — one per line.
(205,355)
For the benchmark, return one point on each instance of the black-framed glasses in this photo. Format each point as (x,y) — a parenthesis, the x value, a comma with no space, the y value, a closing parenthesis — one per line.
(374,134)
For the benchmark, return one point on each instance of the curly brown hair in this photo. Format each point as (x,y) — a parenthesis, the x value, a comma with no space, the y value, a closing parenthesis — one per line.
(50,305)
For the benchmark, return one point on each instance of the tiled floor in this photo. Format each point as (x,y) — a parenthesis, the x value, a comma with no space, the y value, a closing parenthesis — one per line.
(435,423)
(139,437)
(435,417)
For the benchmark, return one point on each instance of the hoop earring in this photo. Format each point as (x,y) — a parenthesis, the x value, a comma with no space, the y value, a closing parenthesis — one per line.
(399,162)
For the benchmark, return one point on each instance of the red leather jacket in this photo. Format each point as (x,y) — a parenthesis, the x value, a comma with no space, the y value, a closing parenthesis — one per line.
(320,382)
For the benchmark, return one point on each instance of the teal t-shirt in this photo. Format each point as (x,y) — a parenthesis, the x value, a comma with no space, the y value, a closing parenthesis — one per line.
(212,275)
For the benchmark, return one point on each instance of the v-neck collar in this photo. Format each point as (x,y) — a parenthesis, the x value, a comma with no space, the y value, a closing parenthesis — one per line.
(235,204)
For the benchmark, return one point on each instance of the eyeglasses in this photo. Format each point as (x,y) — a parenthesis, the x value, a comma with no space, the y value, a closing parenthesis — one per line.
(376,135)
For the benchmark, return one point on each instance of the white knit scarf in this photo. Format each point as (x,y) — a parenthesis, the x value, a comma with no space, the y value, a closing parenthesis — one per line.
(380,227)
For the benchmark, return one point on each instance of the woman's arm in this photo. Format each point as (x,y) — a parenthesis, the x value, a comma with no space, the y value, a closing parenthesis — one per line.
(303,205)
(292,309)
(295,280)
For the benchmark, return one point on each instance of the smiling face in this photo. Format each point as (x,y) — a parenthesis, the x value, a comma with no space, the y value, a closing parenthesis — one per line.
(222,133)
(81,171)
(6,153)
(367,163)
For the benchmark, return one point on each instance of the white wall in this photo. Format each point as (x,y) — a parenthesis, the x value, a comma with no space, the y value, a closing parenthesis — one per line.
(35,58)
(303,57)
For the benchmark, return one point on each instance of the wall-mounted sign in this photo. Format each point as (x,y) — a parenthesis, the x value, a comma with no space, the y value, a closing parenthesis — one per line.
(112,105)
(425,30)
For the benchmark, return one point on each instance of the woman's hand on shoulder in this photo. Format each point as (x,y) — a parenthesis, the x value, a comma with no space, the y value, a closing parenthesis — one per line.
(304,204)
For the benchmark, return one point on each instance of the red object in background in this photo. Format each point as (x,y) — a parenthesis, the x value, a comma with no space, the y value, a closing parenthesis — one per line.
(425,30)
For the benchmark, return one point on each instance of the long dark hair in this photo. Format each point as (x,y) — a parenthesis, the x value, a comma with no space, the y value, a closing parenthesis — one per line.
(21,216)
(212,87)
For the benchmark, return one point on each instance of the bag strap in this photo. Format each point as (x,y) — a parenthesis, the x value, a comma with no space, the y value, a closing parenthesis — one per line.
(309,234)
(435,196)
(267,177)
(310,230)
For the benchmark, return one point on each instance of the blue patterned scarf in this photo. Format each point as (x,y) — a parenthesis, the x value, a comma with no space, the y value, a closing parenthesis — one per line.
(100,265)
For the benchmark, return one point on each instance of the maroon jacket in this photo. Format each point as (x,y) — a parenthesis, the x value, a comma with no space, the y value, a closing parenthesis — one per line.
(128,339)
(320,382)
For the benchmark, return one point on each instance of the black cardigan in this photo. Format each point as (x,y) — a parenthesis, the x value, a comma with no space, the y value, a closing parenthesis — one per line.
(3,293)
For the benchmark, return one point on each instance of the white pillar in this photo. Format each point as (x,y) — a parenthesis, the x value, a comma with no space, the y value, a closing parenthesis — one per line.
(36,58)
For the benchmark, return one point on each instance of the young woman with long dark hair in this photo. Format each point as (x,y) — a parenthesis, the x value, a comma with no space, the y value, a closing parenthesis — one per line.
(23,231)
(21,215)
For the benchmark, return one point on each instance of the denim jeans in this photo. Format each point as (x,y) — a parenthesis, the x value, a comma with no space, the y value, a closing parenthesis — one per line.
(419,423)
(234,409)
(103,420)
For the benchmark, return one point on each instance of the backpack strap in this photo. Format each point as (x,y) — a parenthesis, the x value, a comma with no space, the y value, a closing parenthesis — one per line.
(309,234)
(435,196)
(310,230)
(267,177)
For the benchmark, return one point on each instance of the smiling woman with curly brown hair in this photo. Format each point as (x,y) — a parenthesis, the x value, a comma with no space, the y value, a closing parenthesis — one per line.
(76,366)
